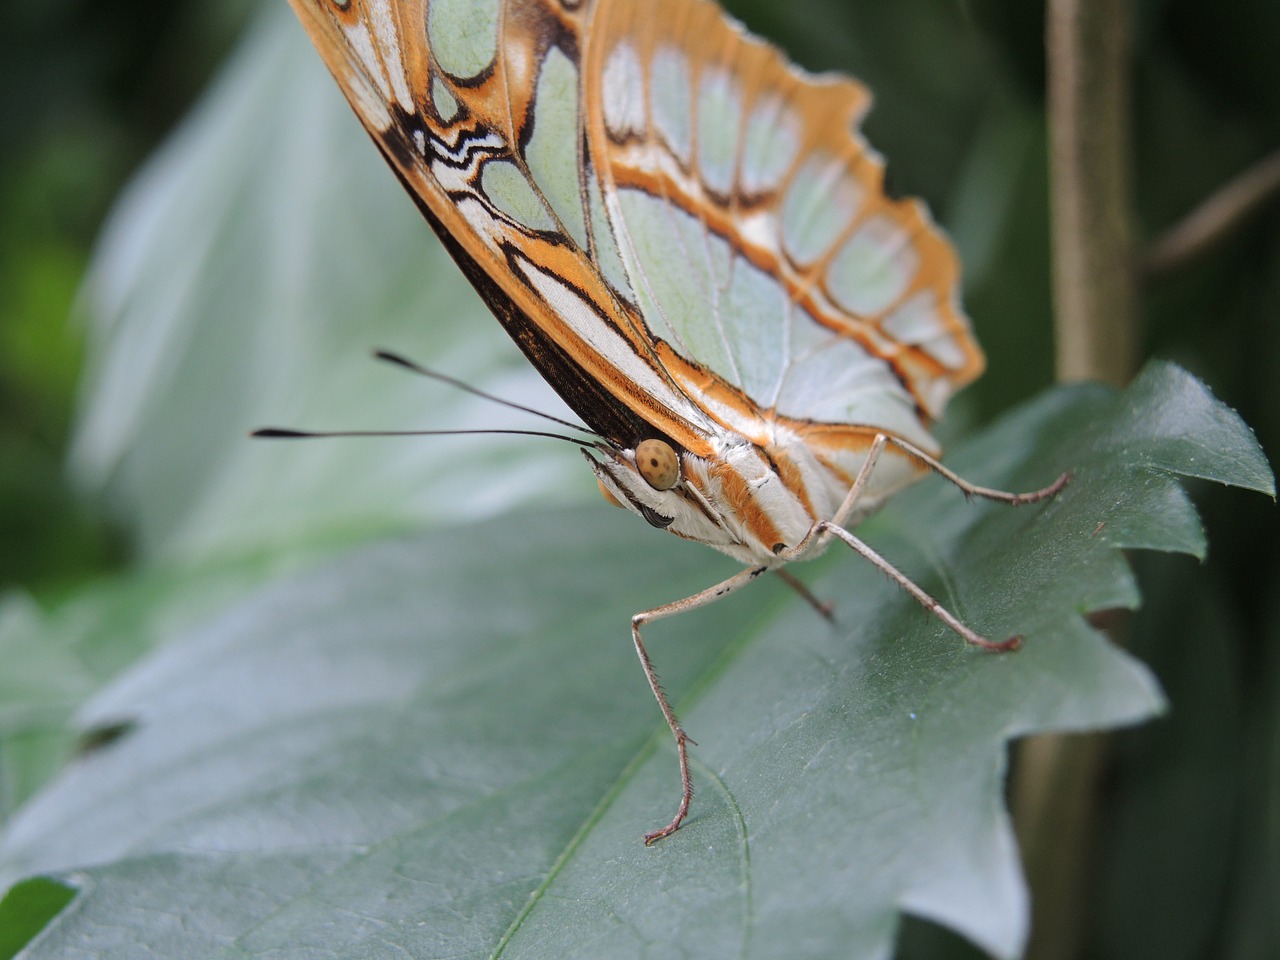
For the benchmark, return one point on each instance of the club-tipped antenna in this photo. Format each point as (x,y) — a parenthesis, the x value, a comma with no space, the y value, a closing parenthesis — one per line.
(408,364)
(282,433)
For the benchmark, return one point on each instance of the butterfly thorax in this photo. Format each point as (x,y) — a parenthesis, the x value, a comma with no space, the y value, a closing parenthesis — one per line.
(751,501)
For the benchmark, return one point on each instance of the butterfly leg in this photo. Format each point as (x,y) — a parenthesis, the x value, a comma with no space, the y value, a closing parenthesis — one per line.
(973,489)
(701,599)
(968,489)
(823,608)
(835,527)
(919,594)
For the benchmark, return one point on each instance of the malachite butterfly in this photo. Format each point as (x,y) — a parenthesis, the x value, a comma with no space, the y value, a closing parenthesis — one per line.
(691,241)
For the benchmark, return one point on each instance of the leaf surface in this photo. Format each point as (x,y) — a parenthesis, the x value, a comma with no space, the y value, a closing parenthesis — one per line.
(442,745)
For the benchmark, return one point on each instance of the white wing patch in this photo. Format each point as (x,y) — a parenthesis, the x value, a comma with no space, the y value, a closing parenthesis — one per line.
(623,92)
(833,380)
(384,28)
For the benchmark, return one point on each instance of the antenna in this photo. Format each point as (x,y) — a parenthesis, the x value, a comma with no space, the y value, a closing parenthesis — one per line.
(397,359)
(283,433)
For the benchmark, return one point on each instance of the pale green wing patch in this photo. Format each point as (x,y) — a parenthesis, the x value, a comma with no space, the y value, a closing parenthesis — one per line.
(819,205)
(770,144)
(463,35)
(719,118)
(669,85)
(510,191)
(552,154)
(442,98)
(872,268)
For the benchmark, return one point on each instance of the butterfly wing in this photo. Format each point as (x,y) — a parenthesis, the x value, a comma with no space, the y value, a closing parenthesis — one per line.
(448,90)
(756,232)
(683,232)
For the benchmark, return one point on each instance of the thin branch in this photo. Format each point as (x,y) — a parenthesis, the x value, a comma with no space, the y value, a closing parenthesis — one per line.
(1215,219)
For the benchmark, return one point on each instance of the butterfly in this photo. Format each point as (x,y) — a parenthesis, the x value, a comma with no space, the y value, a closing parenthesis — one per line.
(691,241)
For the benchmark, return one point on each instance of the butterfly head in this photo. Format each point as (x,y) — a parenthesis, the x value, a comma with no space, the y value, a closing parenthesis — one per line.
(646,479)
(664,485)
(685,494)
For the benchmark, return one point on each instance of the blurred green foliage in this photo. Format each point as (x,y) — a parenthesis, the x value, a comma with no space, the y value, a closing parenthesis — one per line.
(87,91)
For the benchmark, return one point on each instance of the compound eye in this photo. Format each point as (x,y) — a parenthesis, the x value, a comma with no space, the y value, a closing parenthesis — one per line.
(658,464)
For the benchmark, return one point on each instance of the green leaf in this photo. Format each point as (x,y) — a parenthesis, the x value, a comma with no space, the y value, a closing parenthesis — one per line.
(26,909)
(242,281)
(53,660)
(443,745)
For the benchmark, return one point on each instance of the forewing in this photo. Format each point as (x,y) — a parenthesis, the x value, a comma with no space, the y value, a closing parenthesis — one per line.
(475,104)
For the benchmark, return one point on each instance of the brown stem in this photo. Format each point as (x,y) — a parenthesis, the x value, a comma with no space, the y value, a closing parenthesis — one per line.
(1093,282)
(1215,219)
(1054,788)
